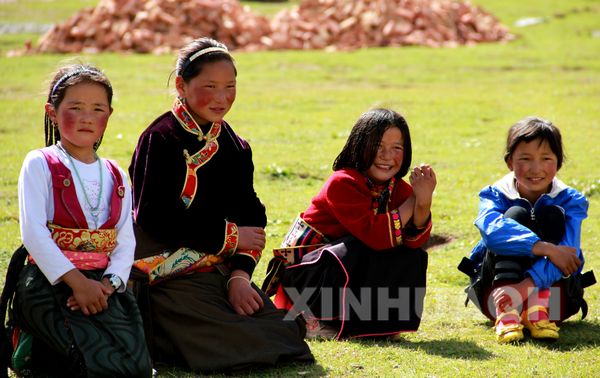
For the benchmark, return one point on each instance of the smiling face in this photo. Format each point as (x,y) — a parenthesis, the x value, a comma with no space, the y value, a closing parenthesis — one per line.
(81,116)
(535,166)
(210,94)
(390,155)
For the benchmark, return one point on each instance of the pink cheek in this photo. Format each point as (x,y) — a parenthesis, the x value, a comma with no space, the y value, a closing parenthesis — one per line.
(68,120)
(231,98)
(103,120)
(201,99)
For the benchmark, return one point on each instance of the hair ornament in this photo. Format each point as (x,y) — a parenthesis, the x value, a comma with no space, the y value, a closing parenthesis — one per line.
(206,51)
(69,75)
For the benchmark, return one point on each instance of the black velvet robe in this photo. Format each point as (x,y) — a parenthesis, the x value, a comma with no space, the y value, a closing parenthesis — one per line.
(225,189)
(188,320)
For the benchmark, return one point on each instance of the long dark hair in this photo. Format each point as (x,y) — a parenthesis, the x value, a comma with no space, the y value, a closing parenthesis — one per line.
(362,144)
(532,128)
(63,79)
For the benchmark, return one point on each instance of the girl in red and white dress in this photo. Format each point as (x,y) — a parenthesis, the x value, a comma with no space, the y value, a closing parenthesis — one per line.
(367,275)
(72,309)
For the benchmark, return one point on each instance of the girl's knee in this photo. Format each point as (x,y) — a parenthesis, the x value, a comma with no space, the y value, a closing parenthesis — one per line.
(518,213)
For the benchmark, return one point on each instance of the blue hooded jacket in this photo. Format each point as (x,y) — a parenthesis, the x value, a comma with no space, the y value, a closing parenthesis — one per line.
(507,237)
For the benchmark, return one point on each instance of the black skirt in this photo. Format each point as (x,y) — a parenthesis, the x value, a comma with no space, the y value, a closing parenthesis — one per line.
(359,291)
(68,343)
(190,323)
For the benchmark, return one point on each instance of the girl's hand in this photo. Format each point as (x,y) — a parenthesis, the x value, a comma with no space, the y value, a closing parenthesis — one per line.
(512,296)
(242,296)
(72,303)
(564,257)
(423,180)
(89,296)
(251,238)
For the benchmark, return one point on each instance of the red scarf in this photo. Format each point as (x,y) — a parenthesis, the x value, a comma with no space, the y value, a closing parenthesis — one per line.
(201,157)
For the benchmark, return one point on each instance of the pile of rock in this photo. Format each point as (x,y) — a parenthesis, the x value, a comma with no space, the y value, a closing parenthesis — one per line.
(339,24)
(161,26)
(155,26)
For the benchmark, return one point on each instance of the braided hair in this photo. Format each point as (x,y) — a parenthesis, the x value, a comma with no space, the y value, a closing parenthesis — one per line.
(63,79)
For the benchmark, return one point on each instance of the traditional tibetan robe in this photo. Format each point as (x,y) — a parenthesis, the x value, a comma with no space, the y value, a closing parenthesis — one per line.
(66,342)
(348,261)
(193,188)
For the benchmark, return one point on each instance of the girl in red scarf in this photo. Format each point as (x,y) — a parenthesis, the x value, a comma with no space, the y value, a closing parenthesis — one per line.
(201,230)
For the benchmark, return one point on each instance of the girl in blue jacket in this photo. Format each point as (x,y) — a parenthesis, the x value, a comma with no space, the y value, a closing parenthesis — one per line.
(530,225)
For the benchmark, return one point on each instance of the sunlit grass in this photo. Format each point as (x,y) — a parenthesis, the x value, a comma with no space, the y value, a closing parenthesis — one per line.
(296,109)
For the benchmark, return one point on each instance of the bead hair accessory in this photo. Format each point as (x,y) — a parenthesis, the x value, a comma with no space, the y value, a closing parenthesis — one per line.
(67,76)
(206,51)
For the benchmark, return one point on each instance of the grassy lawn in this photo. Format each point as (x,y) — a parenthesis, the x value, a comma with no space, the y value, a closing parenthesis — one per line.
(296,108)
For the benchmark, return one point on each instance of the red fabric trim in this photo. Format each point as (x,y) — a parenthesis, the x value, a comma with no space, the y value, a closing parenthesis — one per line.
(343,291)
(196,161)
(344,206)
(201,157)
(416,241)
(252,253)
(68,213)
(231,240)
(87,260)
(391,230)
(282,300)
(67,210)
(116,199)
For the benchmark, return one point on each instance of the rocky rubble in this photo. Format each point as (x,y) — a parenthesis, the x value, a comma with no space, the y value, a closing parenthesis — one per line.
(161,26)
(155,26)
(338,24)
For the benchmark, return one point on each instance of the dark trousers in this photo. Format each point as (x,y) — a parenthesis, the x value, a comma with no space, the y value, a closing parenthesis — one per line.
(546,222)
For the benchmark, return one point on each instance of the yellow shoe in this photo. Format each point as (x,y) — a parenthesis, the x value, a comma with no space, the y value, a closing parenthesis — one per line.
(511,332)
(541,329)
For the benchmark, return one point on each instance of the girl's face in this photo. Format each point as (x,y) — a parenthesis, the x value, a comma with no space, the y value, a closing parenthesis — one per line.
(210,95)
(535,166)
(82,116)
(390,154)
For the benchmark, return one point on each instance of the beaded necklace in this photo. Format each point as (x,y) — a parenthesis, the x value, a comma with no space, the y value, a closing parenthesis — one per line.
(381,194)
(94,210)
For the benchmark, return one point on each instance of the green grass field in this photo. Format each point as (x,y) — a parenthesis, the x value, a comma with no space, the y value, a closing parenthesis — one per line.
(296,108)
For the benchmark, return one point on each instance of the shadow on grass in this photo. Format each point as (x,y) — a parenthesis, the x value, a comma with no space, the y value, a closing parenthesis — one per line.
(281,370)
(448,348)
(573,335)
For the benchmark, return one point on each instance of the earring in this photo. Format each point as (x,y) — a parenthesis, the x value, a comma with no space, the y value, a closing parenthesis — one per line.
(97,143)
